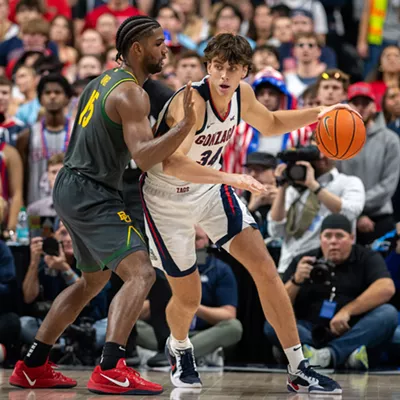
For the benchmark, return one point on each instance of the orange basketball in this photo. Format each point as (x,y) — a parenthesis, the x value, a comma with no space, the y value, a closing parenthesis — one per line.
(340,134)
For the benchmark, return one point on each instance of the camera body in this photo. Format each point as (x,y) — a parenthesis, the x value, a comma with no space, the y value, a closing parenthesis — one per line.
(294,172)
(322,271)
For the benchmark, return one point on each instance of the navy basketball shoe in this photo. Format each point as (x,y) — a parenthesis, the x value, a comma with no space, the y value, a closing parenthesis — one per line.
(307,380)
(183,367)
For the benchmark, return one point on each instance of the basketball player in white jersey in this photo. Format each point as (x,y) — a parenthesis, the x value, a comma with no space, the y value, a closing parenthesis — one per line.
(188,188)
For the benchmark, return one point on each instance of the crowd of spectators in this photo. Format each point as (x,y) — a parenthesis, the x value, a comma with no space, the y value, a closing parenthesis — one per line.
(341,218)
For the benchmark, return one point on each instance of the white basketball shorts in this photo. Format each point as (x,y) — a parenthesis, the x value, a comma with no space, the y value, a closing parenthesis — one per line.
(170,220)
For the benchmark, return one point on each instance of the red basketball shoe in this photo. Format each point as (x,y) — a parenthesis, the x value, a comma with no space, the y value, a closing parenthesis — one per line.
(121,380)
(39,377)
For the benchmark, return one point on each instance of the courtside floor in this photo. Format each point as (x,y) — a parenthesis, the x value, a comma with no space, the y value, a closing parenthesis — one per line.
(220,385)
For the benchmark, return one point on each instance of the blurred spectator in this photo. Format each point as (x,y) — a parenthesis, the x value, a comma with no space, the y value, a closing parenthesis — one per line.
(48,136)
(8,29)
(27,10)
(12,179)
(62,33)
(107,26)
(189,67)
(309,98)
(386,73)
(300,207)
(111,55)
(195,25)
(271,91)
(227,19)
(45,279)
(10,327)
(27,80)
(44,207)
(265,56)
(261,166)
(51,8)
(260,29)
(381,176)
(214,326)
(344,311)
(315,7)
(171,20)
(302,22)
(34,37)
(332,87)
(91,42)
(379,28)
(281,31)
(89,65)
(306,52)
(10,127)
(391,108)
(121,9)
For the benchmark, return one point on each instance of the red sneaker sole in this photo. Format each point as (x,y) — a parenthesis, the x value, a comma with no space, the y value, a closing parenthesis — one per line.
(25,386)
(105,389)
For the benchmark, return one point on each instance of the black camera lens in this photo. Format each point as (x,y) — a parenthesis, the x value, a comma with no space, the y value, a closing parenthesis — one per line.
(297,172)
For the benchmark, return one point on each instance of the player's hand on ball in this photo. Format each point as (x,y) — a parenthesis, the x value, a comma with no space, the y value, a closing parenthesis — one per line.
(188,104)
(247,182)
(325,110)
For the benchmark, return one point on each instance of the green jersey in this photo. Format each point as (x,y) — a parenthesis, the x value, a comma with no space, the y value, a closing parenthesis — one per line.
(97,147)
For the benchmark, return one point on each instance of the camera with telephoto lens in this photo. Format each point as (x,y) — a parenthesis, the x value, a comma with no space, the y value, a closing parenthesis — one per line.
(322,271)
(294,172)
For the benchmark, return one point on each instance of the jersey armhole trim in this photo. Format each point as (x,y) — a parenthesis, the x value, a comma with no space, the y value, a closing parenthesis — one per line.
(103,102)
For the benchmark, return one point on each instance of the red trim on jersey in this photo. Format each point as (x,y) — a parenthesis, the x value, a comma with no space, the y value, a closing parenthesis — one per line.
(151,226)
(230,200)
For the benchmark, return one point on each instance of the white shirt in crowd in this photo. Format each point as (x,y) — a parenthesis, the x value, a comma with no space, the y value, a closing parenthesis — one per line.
(349,188)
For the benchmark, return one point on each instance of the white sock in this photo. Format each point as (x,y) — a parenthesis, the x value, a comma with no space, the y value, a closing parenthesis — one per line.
(180,344)
(295,356)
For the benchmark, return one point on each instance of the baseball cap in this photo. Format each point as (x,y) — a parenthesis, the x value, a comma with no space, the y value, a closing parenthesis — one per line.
(362,89)
(301,12)
(264,159)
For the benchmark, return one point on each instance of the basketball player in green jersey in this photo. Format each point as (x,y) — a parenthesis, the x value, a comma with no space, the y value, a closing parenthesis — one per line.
(111,127)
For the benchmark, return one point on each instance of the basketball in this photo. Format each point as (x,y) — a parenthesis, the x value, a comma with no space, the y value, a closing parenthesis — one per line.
(340,134)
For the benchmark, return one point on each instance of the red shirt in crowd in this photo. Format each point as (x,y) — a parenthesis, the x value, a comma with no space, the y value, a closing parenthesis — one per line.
(379,89)
(52,8)
(120,15)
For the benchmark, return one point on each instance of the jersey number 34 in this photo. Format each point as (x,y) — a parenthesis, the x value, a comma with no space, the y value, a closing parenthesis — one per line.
(86,115)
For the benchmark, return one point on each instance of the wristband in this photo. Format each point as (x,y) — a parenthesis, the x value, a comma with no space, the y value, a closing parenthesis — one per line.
(294,282)
(316,191)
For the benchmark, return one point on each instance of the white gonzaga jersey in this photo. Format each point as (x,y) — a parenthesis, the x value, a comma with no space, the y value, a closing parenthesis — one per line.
(208,143)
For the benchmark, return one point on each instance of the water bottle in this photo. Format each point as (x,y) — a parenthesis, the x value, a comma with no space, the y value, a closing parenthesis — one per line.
(22,231)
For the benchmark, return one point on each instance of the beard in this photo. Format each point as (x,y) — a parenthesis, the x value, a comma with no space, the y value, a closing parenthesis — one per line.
(154,68)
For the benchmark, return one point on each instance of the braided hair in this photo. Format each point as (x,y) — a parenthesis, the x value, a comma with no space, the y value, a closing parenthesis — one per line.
(132,30)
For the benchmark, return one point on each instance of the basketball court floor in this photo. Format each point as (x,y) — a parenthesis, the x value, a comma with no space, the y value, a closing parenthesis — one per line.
(220,385)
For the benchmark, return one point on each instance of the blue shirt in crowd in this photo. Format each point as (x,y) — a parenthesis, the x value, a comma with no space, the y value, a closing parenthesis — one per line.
(7,269)
(219,287)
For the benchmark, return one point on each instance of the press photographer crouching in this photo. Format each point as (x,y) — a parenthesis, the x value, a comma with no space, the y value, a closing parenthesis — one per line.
(339,293)
(310,188)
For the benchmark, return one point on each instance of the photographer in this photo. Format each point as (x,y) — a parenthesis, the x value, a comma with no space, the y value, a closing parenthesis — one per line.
(45,279)
(339,291)
(308,192)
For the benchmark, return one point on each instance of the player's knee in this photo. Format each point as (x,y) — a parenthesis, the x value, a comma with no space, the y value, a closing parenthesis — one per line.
(189,300)
(265,267)
(147,274)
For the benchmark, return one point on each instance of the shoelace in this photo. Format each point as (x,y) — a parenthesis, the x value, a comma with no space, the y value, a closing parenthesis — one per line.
(309,371)
(132,372)
(57,375)
(187,365)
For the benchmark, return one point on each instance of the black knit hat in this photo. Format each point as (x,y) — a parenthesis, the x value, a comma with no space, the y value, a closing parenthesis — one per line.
(336,221)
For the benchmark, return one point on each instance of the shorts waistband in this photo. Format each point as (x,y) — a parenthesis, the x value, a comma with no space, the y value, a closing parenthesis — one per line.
(76,172)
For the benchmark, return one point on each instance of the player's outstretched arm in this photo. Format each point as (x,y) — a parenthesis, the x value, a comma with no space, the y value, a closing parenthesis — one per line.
(278,122)
(133,106)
